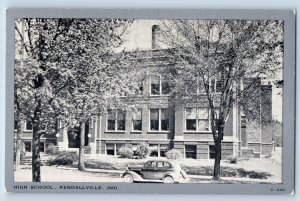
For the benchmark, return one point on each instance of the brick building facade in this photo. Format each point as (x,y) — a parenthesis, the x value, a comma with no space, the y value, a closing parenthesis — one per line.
(155,121)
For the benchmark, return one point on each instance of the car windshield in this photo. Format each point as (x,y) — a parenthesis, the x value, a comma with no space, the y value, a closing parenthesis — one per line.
(164,164)
(150,164)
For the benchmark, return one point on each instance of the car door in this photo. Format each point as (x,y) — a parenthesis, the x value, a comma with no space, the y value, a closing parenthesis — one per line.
(149,170)
(163,167)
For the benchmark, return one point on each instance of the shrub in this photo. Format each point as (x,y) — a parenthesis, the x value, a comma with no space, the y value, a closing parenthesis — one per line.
(67,158)
(233,159)
(125,152)
(51,149)
(142,150)
(174,154)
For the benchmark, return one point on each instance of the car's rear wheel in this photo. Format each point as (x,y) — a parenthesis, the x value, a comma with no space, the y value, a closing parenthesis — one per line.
(168,180)
(128,178)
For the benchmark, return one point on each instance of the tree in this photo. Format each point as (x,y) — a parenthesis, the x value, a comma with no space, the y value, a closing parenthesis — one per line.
(227,58)
(59,59)
(99,88)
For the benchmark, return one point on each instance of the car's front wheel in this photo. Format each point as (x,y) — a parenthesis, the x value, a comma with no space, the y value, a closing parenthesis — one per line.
(128,178)
(168,180)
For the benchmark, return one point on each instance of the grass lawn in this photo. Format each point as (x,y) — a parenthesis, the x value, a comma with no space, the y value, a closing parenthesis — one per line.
(192,167)
(267,169)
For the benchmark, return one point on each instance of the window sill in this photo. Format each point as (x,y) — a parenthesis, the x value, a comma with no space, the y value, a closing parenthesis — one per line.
(159,95)
(197,132)
(31,130)
(136,132)
(153,131)
(115,131)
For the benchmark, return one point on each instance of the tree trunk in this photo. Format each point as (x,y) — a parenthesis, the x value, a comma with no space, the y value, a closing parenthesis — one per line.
(18,146)
(218,150)
(36,160)
(217,166)
(81,148)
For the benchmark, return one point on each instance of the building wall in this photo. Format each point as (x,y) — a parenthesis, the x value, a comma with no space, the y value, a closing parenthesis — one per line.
(45,139)
(177,136)
(266,113)
(259,130)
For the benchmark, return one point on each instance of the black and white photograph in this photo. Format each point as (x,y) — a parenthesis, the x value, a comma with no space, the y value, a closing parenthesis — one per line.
(131,100)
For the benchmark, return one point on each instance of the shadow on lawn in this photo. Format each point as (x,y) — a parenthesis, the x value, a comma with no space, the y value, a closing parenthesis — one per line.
(191,170)
(226,172)
(96,164)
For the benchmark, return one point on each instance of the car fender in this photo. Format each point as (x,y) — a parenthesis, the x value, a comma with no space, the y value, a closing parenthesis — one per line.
(183,174)
(136,176)
(169,174)
(177,177)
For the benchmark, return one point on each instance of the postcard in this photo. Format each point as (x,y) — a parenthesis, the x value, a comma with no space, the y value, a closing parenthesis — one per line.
(150,101)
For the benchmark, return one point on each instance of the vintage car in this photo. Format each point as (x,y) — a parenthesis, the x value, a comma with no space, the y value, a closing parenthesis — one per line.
(155,171)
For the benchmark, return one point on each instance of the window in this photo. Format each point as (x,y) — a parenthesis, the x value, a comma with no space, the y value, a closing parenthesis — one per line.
(140,88)
(137,120)
(159,119)
(243,121)
(163,149)
(162,164)
(197,119)
(154,119)
(110,149)
(216,85)
(115,120)
(150,164)
(58,124)
(16,125)
(164,119)
(111,120)
(74,137)
(28,125)
(121,120)
(203,124)
(27,146)
(159,86)
(134,147)
(153,150)
(191,119)
(190,151)
(155,85)
(42,147)
(119,146)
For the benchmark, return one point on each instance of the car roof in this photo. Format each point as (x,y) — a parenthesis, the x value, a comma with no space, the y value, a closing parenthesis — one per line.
(161,160)
(158,160)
